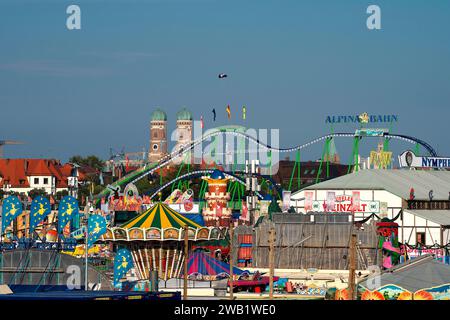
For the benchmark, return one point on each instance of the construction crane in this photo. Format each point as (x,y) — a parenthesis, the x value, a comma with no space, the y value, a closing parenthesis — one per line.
(7,142)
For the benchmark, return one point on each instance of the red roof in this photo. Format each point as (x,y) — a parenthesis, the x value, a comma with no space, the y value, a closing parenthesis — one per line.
(16,171)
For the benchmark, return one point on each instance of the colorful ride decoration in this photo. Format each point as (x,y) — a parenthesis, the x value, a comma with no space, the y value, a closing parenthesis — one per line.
(156,240)
(342,294)
(388,242)
(216,212)
(394,292)
(202,266)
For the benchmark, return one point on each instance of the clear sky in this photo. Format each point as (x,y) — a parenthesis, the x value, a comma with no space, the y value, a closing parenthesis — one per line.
(290,62)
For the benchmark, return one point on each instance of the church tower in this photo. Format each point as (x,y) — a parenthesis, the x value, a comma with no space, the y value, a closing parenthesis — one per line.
(158,136)
(184,129)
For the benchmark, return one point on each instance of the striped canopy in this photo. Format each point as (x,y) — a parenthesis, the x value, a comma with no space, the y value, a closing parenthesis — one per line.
(160,216)
(200,262)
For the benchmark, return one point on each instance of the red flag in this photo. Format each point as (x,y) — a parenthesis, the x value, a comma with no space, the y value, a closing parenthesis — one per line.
(201,122)
(126,163)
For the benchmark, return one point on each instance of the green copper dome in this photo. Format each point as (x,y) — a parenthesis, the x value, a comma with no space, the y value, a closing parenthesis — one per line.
(159,115)
(184,114)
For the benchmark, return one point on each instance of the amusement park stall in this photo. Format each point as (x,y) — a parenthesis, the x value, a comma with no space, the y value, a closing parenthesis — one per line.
(418,201)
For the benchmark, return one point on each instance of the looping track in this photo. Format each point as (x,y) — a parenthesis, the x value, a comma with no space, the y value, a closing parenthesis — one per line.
(150,169)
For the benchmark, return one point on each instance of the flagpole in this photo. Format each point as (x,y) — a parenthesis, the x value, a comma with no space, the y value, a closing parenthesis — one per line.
(86,255)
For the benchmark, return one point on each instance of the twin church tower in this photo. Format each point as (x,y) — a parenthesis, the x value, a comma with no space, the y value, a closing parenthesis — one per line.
(158,133)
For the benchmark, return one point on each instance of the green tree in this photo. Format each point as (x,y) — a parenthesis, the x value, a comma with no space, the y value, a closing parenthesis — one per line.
(90,161)
(33,193)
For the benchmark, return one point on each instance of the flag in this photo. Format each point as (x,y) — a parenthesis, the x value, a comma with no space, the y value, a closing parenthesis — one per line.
(67,210)
(201,122)
(11,208)
(96,228)
(40,208)
(127,163)
(244,112)
(229,111)
(122,263)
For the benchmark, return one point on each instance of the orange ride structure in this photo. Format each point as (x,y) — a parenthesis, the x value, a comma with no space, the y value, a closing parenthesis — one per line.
(216,213)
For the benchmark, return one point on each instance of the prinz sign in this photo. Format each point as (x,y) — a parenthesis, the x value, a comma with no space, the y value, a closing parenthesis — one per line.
(344,203)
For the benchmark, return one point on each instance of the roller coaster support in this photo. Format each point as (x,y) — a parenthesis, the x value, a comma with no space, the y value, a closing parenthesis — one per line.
(296,166)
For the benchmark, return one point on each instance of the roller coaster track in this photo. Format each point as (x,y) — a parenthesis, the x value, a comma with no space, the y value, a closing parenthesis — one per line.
(151,168)
(199,173)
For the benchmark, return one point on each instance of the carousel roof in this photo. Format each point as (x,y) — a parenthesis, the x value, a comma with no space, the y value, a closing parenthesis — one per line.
(160,216)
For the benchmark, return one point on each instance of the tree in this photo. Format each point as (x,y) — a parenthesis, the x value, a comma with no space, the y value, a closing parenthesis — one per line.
(33,193)
(89,161)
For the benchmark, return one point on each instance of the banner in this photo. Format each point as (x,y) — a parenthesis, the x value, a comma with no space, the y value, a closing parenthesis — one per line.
(122,263)
(356,200)
(331,200)
(68,208)
(309,197)
(96,228)
(286,200)
(40,208)
(11,208)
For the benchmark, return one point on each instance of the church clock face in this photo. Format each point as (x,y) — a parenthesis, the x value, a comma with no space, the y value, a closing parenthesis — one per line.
(155,146)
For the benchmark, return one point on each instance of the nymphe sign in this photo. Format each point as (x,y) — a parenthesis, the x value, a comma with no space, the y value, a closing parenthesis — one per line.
(409,159)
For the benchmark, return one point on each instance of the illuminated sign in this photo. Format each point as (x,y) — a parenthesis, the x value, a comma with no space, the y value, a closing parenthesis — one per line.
(408,159)
(362,118)
(368,132)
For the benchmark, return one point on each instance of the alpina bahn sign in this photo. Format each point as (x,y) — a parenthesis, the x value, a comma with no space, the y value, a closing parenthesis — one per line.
(362,118)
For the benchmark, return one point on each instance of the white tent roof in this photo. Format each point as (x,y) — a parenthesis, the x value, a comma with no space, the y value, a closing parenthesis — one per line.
(398,182)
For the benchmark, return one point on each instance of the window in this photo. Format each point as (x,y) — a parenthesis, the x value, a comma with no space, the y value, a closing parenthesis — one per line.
(36,180)
(45,180)
(420,238)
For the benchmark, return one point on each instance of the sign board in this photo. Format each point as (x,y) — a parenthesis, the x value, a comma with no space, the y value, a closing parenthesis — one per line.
(409,160)
(380,159)
(367,132)
(346,203)
(362,118)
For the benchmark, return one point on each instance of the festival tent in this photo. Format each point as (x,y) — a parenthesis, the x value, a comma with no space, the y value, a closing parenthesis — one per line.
(420,278)
(202,263)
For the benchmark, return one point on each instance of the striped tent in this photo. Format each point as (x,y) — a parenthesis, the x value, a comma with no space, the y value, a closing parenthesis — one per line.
(200,262)
(160,216)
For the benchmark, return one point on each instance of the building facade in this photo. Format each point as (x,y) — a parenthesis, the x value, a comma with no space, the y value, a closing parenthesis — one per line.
(417,200)
(24,175)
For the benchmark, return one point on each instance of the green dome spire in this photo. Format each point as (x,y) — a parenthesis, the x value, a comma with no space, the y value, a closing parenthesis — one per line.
(159,115)
(184,114)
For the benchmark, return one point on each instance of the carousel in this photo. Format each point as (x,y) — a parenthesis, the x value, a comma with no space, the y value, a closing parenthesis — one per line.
(156,240)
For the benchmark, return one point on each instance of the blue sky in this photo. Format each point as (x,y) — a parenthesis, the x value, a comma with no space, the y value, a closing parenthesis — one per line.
(291,63)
